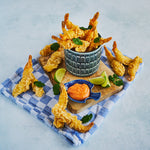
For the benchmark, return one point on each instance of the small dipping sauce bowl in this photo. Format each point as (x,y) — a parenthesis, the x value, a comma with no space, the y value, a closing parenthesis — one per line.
(95,96)
(83,64)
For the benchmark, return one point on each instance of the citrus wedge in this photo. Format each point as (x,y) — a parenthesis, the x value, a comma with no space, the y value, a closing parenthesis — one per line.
(98,80)
(59,74)
(106,83)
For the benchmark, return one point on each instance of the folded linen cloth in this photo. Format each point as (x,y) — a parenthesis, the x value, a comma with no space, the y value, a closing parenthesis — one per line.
(41,107)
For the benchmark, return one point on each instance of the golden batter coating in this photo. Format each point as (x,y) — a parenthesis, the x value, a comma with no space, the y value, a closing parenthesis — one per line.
(39,91)
(46,50)
(133,67)
(119,56)
(62,117)
(117,67)
(109,55)
(74,32)
(67,22)
(69,44)
(93,21)
(90,35)
(53,62)
(27,79)
(95,45)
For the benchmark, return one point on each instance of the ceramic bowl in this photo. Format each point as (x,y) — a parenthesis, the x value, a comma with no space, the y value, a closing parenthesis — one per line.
(82,64)
(95,96)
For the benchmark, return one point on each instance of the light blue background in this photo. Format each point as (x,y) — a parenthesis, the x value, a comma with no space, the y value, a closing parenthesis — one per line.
(26,27)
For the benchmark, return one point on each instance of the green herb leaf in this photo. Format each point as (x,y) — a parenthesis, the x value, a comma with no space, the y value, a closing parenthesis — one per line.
(77,41)
(111,78)
(39,84)
(115,76)
(116,80)
(90,27)
(83,28)
(96,40)
(56,89)
(86,118)
(55,46)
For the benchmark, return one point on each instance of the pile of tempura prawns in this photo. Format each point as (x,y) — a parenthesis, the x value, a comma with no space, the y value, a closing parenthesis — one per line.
(66,41)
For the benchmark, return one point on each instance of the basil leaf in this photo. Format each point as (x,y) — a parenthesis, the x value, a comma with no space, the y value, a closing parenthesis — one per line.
(39,84)
(90,27)
(97,40)
(56,89)
(86,118)
(77,41)
(55,46)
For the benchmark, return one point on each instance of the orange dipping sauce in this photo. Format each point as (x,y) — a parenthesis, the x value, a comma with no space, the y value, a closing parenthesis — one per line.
(79,91)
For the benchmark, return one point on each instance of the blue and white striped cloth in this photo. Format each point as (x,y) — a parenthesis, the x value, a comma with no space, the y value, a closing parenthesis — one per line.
(41,107)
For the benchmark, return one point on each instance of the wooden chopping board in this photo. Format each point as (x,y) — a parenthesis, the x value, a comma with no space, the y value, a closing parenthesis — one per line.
(74,107)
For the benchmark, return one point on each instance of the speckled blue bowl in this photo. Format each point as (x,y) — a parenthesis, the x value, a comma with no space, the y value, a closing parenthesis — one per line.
(95,96)
(83,64)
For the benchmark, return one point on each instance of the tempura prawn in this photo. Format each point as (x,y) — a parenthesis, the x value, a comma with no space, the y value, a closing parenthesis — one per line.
(119,56)
(53,62)
(61,116)
(133,67)
(117,67)
(27,79)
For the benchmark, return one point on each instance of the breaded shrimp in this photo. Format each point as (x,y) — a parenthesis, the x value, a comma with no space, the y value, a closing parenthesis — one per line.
(68,23)
(53,62)
(62,117)
(69,44)
(117,67)
(93,21)
(94,45)
(27,79)
(74,32)
(133,67)
(119,56)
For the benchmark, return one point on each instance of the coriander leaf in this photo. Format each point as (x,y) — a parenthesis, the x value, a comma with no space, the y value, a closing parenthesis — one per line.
(77,41)
(116,80)
(111,78)
(119,82)
(96,40)
(115,76)
(86,118)
(39,84)
(55,46)
(56,89)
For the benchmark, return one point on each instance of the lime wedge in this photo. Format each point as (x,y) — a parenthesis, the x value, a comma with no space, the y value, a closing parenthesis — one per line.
(98,80)
(106,83)
(59,74)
